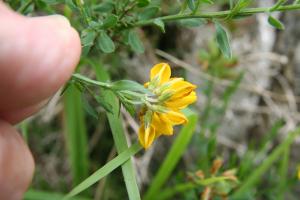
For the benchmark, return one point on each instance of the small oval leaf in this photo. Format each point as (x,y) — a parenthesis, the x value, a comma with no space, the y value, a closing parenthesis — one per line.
(135,42)
(158,22)
(87,40)
(275,23)
(192,5)
(148,13)
(110,21)
(143,3)
(222,40)
(105,43)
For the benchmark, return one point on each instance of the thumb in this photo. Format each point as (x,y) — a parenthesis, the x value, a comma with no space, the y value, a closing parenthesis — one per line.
(37,56)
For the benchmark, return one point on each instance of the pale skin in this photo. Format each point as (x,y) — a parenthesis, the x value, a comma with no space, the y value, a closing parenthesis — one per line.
(37,56)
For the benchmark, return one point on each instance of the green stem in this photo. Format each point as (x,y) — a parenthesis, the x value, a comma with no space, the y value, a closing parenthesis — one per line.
(219,14)
(84,79)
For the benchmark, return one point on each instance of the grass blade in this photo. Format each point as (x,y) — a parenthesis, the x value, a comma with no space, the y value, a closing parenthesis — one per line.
(178,148)
(116,126)
(283,172)
(42,195)
(105,170)
(75,134)
(258,173)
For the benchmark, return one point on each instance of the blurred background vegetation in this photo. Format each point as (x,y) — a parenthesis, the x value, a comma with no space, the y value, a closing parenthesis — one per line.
(245,120)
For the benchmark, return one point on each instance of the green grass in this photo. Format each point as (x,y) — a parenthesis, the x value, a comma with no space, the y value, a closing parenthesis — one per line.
(116,125)
(76,134)
(258,173)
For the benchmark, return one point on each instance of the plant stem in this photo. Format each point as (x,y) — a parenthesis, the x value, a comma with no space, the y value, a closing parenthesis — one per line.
(84,79)
(219,14)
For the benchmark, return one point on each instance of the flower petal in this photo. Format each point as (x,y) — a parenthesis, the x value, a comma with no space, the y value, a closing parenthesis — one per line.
(161,71)
(146,136)
(162,124)
(181,89)
(181,103)
(175,117)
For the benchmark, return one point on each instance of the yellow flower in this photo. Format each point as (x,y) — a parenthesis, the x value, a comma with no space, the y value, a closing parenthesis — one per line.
(171,95)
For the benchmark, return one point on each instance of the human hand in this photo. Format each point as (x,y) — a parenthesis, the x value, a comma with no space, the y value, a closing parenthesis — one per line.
(37,56)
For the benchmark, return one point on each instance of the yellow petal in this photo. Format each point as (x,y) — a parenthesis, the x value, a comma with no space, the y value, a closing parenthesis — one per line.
(175,117)
(146,136)
(146,84)
(162,124)
(181,103)
(161,71)
(181,89)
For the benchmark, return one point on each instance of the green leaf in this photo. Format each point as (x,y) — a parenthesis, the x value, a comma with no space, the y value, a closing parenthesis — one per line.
(128,106)
(116,125)
(110,21)
(241,4)
(88,108)
(275,23)
(71,5)
(222,40)
(192,4)
(158,22)
(76,134)
(105,170)
(52,2)
(105,43)
(87,39)
(208,1)
(43,195)
(135,42)
(106,105)
(277,5)
(129,85)
(148,13)
(143,3)
(106,6)
(192,22)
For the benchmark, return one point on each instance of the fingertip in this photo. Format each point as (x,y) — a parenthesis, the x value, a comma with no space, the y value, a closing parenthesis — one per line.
(16,164)
(37,57)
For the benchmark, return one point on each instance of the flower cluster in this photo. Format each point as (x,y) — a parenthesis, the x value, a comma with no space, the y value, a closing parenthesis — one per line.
(162,112)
